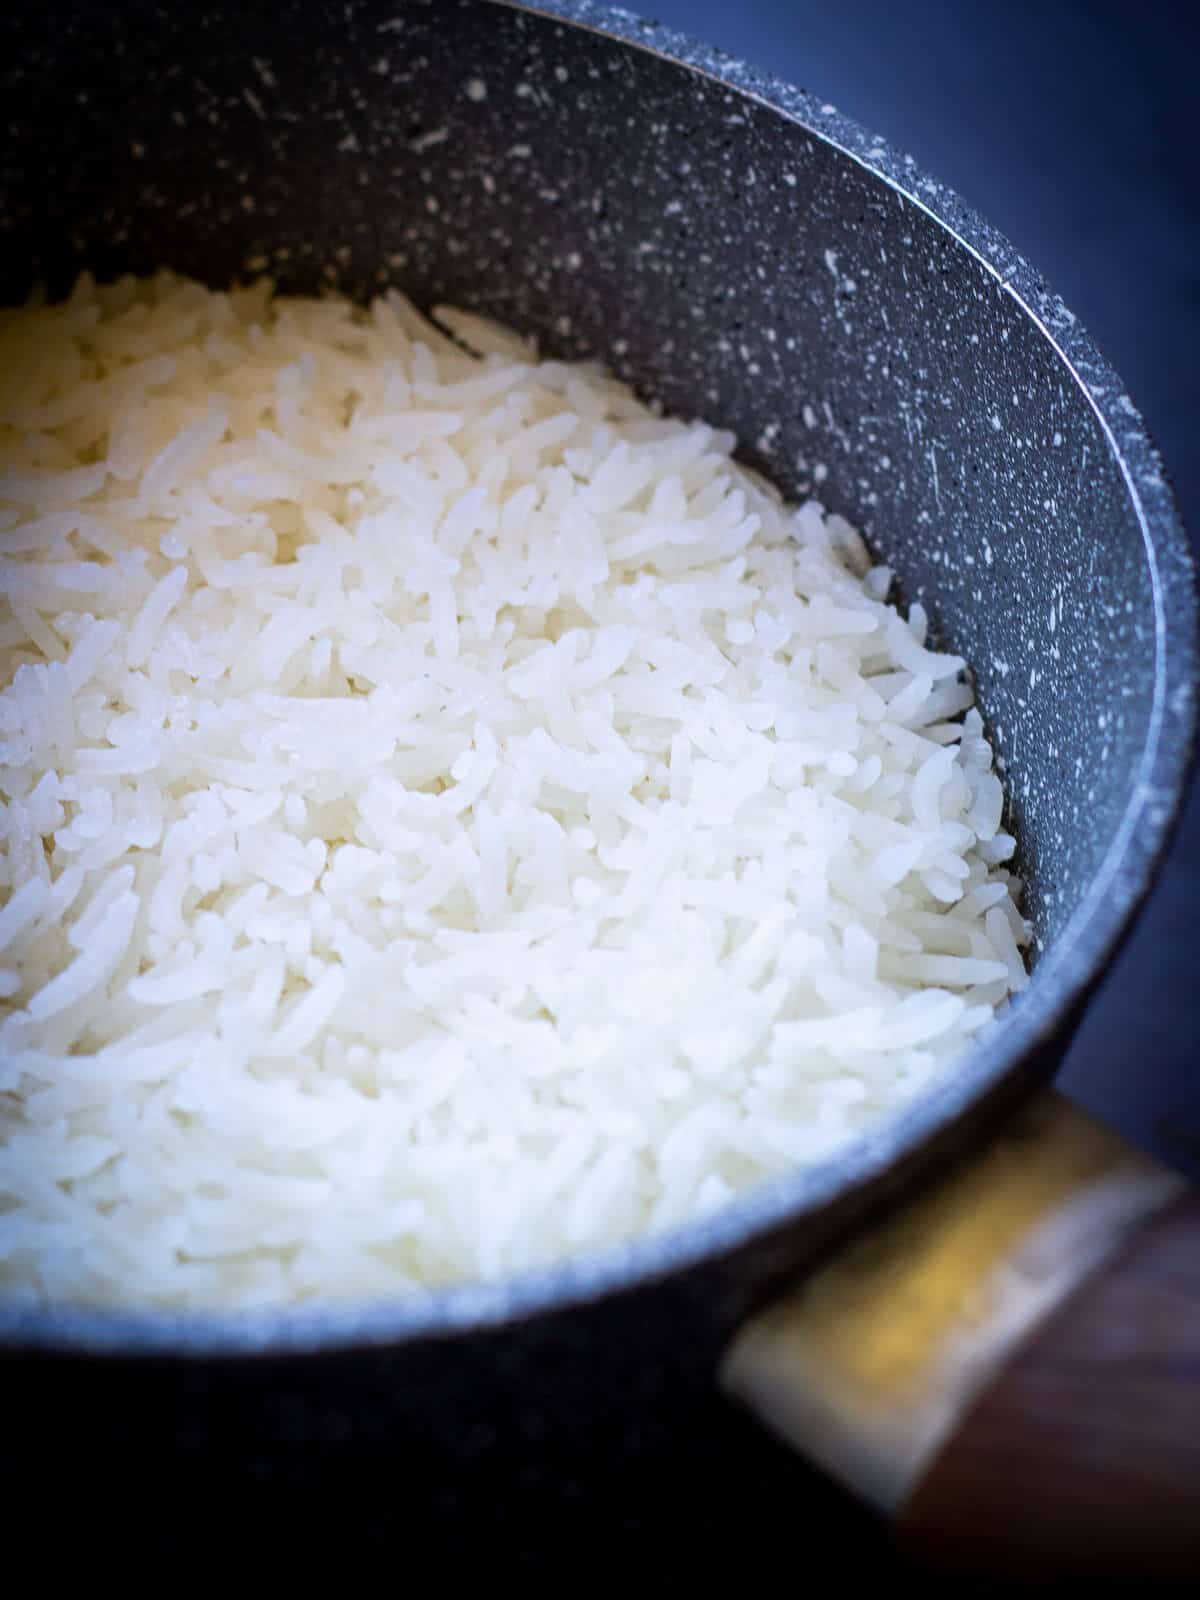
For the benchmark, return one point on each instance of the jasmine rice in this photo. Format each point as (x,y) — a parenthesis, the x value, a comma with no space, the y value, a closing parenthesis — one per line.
(451,816)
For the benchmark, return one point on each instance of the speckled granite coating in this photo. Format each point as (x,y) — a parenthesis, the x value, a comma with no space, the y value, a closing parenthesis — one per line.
(736,249)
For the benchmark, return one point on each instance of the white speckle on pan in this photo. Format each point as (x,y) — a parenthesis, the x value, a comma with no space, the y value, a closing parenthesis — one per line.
(427,141)
(996,422)
(263,68)
(255,104)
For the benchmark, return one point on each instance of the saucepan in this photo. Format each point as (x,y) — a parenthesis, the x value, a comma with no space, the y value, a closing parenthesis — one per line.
(988,1290)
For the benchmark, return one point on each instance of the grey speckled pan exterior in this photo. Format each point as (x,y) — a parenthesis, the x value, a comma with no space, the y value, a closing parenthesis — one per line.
(741,251)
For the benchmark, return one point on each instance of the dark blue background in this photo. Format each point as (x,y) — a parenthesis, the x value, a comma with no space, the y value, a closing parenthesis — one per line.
(1072,128)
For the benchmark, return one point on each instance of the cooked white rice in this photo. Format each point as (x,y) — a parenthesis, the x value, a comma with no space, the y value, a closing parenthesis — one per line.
(452,816)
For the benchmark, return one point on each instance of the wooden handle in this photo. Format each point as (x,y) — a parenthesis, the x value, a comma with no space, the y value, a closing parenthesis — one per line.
(1083,1457)
(1008,1365)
